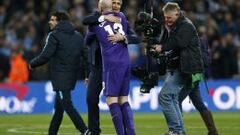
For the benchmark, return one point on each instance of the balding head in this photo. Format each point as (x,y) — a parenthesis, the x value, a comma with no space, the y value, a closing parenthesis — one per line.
(105,5)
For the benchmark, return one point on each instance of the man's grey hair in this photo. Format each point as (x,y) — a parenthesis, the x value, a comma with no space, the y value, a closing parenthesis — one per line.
(171,6)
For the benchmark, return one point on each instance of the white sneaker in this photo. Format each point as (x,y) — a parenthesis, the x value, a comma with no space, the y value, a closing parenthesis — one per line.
(172,133)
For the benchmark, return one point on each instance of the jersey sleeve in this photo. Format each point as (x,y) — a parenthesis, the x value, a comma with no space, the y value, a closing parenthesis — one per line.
(124,22)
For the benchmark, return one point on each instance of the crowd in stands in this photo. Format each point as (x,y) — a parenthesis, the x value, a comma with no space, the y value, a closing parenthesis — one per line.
(24,24)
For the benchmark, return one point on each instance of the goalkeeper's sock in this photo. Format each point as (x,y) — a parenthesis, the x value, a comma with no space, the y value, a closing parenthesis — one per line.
(117,118)
(128,118)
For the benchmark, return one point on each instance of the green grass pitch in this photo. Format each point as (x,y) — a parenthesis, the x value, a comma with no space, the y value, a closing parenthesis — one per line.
(145,123)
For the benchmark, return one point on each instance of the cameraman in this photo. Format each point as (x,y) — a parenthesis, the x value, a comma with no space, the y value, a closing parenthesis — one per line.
(184,67)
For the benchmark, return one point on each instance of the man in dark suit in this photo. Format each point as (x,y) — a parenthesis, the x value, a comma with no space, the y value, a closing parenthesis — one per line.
(94,85)
(63,50)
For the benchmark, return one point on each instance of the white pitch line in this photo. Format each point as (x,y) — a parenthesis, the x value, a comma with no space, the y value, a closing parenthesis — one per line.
(16,131)
(38,126)
(23,130)
(19,129)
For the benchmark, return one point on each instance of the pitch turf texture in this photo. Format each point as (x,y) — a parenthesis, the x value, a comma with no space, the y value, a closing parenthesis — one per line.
(146,124)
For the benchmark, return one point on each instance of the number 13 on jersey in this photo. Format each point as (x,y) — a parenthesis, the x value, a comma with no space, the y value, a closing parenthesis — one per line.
(117,27)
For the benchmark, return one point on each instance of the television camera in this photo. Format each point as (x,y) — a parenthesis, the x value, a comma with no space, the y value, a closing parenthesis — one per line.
(153,32)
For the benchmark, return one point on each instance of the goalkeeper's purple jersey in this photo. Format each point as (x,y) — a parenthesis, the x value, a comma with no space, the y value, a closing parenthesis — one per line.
(114,55)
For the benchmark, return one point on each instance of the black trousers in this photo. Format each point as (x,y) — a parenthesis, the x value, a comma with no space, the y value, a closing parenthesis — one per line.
(63,103)
(93,92)
(195,97)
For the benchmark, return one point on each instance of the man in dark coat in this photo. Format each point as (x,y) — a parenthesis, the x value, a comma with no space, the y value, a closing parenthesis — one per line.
(184,67)
(63,50)
(195,95)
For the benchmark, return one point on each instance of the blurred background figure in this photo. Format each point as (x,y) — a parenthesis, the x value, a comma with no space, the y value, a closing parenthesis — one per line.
(19,69)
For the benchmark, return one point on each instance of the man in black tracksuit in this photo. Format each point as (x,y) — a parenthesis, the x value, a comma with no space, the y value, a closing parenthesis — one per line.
(63,50)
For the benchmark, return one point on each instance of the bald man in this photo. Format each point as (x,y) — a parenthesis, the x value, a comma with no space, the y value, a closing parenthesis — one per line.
(116,68)
(94,81)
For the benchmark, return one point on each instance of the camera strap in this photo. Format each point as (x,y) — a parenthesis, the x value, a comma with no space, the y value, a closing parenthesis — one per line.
(161,34)
(205,83)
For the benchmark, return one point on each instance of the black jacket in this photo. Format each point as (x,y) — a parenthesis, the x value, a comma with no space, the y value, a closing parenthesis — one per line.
(63,49)
(94,51)
(184,38)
